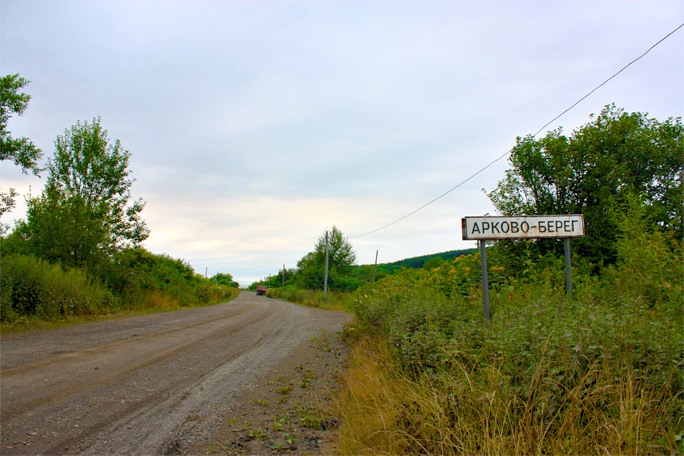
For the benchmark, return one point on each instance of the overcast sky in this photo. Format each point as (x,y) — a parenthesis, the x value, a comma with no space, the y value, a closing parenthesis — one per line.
(255,126)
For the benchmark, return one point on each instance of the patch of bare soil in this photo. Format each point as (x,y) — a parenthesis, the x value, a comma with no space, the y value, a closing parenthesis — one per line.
(292,411)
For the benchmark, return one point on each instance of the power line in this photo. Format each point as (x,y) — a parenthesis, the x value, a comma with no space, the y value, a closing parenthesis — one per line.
(430,202)
(607,80)
(534,135)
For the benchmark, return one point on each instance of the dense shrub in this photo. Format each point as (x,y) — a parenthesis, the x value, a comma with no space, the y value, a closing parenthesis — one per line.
(136,275)
(132,279)
(31,286)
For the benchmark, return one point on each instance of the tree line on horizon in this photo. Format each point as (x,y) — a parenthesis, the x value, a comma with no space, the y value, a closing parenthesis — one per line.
(310,273)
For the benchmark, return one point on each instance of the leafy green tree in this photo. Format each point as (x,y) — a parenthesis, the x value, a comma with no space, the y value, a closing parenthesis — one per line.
(84,213)
(310,272)
(341,255)
(225,279)
(341,259)
(20,150)
(616,155)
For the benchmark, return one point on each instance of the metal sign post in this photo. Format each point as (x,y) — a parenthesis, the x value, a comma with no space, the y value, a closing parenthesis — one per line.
(524,227)
(485,285)
(568,271)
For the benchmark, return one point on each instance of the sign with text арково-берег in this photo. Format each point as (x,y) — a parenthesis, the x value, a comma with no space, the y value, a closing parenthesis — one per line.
(523,227)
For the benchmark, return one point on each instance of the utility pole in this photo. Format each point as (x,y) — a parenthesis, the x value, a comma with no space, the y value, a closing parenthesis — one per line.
(283,276)
(376,265)
(325,283)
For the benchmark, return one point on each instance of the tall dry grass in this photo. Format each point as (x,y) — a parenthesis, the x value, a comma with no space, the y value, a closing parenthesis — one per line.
(386,412)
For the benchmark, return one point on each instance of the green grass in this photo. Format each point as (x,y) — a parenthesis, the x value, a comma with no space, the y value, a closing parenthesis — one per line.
(603,374)
(336,300)
(36,294)
(33,323)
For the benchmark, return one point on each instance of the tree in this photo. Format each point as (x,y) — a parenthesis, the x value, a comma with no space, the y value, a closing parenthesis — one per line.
(341,259)
(20,150)
(83,213)
(341,255)
(616,155)
(225,279)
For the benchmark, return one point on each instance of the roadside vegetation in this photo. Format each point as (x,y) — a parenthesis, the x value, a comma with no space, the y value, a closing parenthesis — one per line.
(335,300)
(344,275)
(602,373)
(38,294)
(78,254)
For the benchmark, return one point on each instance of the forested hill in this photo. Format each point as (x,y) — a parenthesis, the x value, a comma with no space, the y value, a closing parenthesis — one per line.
(419,262)
(365,272)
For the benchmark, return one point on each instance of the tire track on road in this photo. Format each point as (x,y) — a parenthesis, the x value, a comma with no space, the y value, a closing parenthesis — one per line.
(80,389)
(131,392)
(54,394)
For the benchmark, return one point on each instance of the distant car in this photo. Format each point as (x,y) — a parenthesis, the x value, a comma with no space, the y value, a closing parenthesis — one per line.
(261,290)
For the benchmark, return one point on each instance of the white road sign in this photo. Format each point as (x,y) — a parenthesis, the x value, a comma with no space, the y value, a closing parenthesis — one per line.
(523,227)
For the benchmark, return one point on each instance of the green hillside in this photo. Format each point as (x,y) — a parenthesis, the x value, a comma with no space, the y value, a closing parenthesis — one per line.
(365,272)
(419,262)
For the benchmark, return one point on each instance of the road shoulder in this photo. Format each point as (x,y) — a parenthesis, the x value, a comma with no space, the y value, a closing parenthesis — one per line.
(290,411)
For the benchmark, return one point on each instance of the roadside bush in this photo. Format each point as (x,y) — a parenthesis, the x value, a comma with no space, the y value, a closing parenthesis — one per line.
(31,286)
(133,279)
(140,278)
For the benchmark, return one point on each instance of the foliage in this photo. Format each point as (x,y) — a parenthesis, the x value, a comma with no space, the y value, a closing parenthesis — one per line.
(20,150)
(614,155)
(602,373)
(419,262)
(310,272)
(341,258)
(336,300)
(78,253)
(133,279)
(225,279)
(135,274)
(277,279)
(83,214)
(364,273)
(31,286)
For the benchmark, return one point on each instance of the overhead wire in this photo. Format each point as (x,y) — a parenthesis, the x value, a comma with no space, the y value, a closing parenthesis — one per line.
(511,149)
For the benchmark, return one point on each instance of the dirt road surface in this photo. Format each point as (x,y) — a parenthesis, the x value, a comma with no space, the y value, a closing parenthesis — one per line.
(162,383)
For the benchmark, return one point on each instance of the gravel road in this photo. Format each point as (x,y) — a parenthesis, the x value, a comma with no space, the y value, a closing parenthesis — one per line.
(151,384)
